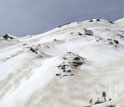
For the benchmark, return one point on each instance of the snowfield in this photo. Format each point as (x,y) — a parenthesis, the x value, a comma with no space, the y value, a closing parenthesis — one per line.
(80,64)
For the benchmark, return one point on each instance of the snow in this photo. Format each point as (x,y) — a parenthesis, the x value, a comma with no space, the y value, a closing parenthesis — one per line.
(39,71)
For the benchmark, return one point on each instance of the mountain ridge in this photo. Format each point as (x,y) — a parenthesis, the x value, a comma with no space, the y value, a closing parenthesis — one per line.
(69,66)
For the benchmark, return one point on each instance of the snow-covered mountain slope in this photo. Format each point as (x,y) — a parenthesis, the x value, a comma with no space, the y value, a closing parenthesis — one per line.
(80,64)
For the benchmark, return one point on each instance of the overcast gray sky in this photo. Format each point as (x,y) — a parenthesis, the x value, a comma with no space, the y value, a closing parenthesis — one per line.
(29,17)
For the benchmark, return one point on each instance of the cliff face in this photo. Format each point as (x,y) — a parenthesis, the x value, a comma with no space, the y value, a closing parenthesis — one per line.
(75,65)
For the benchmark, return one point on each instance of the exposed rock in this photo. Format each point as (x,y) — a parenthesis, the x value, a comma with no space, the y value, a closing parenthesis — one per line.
(111,22)
(110,106)
(98,20)
(88,32)
(70,61)
(80,34)
(116,41)
(6,36)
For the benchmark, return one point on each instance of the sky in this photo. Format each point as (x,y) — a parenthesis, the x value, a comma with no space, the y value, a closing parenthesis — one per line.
(31,17)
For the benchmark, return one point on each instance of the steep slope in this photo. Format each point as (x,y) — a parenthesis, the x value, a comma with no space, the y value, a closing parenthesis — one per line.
(75,65)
